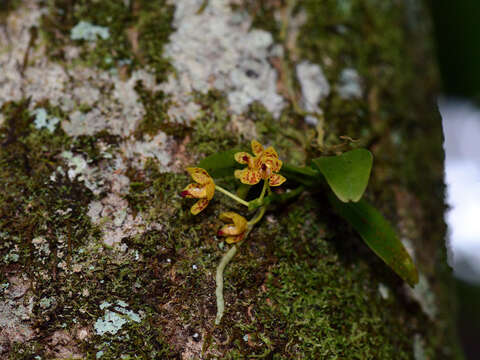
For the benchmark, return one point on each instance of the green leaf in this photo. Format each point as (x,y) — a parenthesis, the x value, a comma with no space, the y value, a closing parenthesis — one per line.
(379,236)
(221,164)
(303,175)
(242,190)
(347,174)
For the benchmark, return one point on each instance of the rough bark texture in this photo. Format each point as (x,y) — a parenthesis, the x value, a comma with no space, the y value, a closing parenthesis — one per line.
(104,103)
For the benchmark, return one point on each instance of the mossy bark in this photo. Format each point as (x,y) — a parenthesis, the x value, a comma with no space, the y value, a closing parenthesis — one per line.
(304,285)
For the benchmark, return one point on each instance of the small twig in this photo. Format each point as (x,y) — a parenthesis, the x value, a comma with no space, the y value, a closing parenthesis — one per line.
(202,7)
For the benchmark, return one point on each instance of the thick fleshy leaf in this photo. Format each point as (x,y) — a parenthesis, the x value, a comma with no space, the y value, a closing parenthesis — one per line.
(304,175)
(242,191)
(346,174)
(379,235)
(221,164)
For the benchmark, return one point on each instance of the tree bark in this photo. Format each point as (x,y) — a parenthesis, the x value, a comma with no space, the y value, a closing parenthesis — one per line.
(104,104)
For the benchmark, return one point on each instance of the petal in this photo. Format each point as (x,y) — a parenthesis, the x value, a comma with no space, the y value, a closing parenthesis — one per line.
(199,206)
(276,180)
(228,230)
(210,190)
(248,176)
(240,222)
(243,157)
(194,191)
(238,173)
(257,148)
(227,216)
(270,157)
(270,152)
(234,239)
(199,175)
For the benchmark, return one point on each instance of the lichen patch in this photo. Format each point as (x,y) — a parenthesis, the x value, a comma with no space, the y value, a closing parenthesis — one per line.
(235,60)
(315,87)
(15,311)
(349,84)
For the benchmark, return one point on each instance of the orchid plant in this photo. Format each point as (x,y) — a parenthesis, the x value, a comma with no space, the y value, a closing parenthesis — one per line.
(344,177)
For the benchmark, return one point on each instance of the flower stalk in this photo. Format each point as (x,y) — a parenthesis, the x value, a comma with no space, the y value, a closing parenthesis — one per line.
(264,165)
(229,194)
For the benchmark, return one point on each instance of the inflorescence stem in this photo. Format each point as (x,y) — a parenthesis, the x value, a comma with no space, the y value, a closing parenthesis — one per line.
(226,259)
(233,196)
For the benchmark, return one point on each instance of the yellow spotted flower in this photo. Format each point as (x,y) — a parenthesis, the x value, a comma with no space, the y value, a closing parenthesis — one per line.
(263,165)
(235,229)
(202,189)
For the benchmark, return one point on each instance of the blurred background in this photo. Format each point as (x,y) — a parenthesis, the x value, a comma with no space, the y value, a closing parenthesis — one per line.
(457,33)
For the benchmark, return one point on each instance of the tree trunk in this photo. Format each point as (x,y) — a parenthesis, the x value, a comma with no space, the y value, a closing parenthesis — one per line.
(104,104)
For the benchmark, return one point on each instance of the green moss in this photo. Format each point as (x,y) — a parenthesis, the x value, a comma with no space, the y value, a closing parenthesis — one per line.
(137,32)
(29,201)
(211,131)
(25,351)
(156,117)
(154,27)
(395,121)
(143,341)
(304,288)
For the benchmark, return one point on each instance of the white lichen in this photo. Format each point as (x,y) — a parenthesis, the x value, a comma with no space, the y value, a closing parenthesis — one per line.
(45,303)
(418,348)
(79,169)
(151,147)
(235,60)
(423,294)
(349,84)
(118,111)
(15,311)
(383,291)
(86,31)
(113,321)
(116,220)
(315,87)
(43,121)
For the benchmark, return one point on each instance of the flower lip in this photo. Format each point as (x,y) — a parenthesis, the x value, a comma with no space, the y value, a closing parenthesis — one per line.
(235,228)
(203,189)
